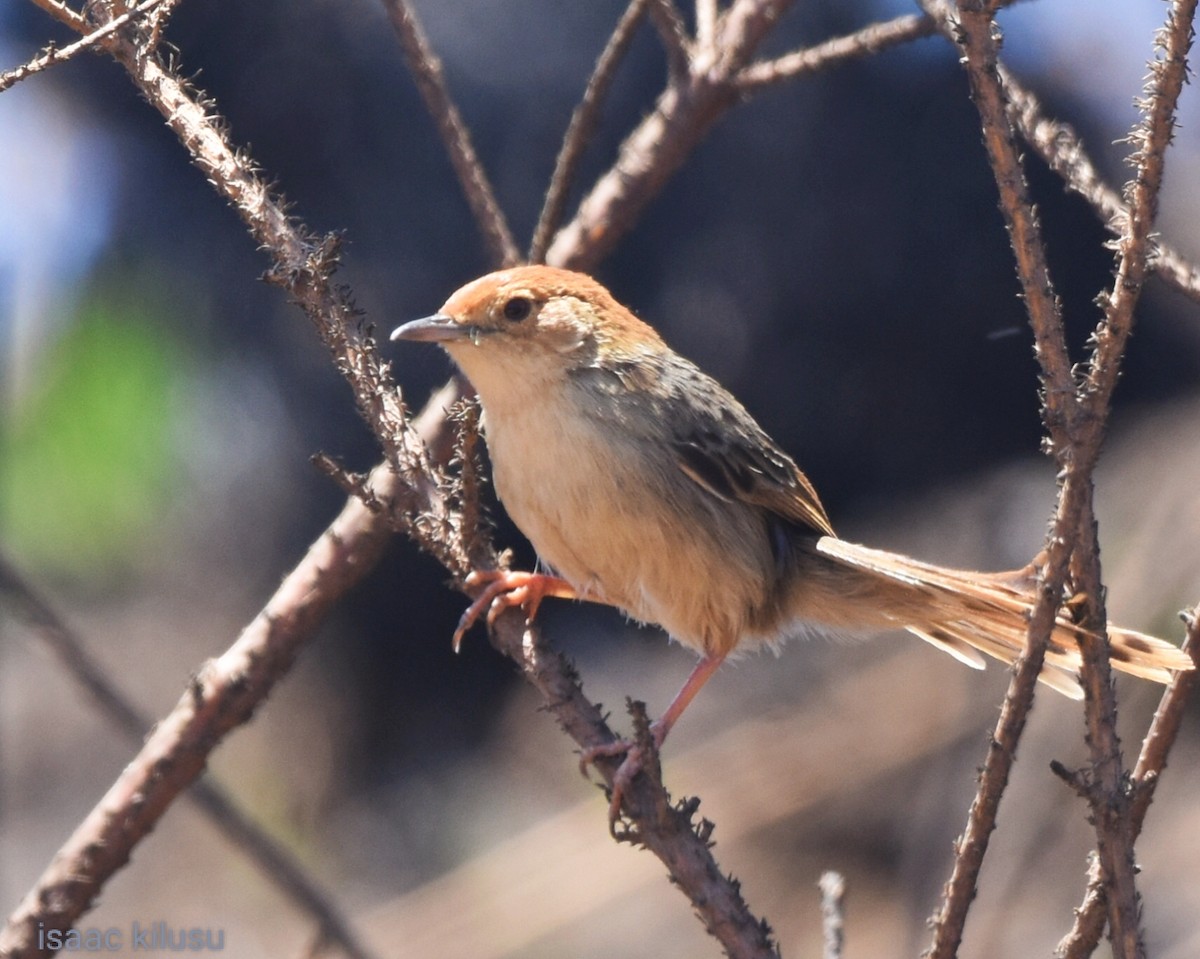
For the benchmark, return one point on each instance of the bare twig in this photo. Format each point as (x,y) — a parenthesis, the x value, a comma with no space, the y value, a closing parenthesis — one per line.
(1110,793)
(972,846)
(706,25)
(1075,425)
(26,606)
(1168,718)
(1062,150)
(63,14)
(427,69)
(1111,796)
(304,265)
(669,24)
(1106,782)
(833,919)
(475,526)
(356,485)
(1174,269)
(972,30)
(681,118)
(1150,140)
(157,21)
(223,695)
(869,40)
(581,127)
(56,55)
(1085,934)
(666,829)
(741,29)
(1060,146)
(578,883)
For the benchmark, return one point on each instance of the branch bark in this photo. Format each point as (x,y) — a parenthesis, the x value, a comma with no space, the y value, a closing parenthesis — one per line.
(273,860)
(972,29)
(1061,149)
(223,695)
(1090,917)
(1075,419)
(683,115)
(427,71)
(583,124)
(871,39)
(1110,791)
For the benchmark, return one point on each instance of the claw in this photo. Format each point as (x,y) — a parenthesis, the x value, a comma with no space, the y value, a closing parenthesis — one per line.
(505,589)
(630,766)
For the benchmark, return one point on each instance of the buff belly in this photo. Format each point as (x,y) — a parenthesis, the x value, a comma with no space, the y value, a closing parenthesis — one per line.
(590,518)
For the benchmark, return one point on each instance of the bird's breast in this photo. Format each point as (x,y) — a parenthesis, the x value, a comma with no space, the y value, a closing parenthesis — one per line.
(607,508)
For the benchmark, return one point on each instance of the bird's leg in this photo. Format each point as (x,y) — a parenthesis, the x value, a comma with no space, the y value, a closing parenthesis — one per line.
(505,589)
(632,764)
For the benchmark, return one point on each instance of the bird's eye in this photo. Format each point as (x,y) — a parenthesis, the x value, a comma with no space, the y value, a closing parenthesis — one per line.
(517,308)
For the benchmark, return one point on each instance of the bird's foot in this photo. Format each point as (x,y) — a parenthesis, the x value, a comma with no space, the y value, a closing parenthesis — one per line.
(503,589)
(636,755)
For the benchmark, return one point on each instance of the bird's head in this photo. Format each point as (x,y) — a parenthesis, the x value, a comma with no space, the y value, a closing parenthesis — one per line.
(533,323)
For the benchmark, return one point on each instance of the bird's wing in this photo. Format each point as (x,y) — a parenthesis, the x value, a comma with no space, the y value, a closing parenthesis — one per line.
(716,443)
(721,448)
(751,469)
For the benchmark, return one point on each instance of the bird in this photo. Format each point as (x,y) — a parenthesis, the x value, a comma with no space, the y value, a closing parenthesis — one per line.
(643,484)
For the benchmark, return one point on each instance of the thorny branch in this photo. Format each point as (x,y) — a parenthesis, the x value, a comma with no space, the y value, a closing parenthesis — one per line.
(1075,425)
(427,70)
(581,127)
(1106,779)
(868,41)
(683,115)
(56,55)
(972,30)
(1090,917)
(971,848)
(1060,147)
(275,863)
(833,918)
(1109,792)
(1150,140)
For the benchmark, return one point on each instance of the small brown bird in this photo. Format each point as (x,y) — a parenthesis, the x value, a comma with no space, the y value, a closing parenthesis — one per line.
(643,484)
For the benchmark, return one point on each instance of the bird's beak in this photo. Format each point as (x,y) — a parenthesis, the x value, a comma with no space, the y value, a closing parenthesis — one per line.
(438,328)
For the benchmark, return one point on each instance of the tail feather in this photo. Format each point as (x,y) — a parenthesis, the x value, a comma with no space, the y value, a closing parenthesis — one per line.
(948,643)
(966,613)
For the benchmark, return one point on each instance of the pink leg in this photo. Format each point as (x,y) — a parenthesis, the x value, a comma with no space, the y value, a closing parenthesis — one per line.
(700,674)
(505,589)
(632,764)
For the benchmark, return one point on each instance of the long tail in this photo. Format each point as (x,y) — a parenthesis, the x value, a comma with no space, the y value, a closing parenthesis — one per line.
(965,614)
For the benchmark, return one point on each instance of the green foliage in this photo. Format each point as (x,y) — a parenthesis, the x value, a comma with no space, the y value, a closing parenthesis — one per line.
(87,456)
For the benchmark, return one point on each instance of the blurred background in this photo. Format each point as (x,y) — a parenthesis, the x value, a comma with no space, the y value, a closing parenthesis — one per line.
(833,253)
